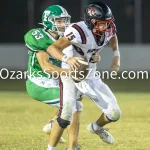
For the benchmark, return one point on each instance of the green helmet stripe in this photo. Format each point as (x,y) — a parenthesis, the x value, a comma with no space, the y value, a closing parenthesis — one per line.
(64,12)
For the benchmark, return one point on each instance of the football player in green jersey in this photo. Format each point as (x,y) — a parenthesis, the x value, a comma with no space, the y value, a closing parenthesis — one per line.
(40,84)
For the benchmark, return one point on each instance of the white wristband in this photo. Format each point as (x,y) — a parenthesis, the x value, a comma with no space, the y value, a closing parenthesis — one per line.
(117,53)
(64,58)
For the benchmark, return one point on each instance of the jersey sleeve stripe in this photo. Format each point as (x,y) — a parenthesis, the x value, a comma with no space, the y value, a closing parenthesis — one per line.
(30,48)
(80,32)
(33,57)
(61,97)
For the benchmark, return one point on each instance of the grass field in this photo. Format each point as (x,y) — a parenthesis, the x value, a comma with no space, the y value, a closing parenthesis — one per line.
(22,119)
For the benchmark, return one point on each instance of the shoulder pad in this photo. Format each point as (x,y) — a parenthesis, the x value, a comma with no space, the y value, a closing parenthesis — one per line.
(37,40)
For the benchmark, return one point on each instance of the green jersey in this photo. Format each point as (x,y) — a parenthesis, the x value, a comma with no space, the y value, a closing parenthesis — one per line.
(38,40)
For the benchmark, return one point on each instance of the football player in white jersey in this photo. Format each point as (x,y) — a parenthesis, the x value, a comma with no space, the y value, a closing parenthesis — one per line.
(88,38)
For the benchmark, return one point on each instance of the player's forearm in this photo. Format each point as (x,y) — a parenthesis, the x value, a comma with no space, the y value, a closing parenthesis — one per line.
(55,52)
(52,69)
(114,45)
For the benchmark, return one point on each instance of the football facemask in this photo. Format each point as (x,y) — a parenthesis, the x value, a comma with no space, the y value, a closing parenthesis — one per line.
(103,28)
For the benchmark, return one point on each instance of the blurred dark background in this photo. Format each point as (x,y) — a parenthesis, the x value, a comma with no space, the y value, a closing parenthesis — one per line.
(133,28)
(18,16)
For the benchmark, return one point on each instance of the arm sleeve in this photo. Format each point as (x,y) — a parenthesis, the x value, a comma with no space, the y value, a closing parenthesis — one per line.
(30,43)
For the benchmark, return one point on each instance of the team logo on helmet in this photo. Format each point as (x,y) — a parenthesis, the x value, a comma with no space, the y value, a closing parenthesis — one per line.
(91,11)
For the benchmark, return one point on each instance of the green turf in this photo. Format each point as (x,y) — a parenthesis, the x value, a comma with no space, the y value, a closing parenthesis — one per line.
(22,119)
(117,85)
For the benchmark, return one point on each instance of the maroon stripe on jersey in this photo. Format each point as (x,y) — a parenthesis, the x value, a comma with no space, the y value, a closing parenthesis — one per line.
(61,96)
(81,33)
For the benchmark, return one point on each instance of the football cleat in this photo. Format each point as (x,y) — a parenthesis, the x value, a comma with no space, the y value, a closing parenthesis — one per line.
(48,127)
(102,133)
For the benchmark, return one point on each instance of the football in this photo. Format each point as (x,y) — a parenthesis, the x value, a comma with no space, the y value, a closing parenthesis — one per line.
(82,72)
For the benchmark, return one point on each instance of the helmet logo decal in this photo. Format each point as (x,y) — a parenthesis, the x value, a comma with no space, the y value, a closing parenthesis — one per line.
(46,13)
(91,11)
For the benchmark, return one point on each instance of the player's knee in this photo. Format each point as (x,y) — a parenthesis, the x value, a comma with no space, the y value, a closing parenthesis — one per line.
(117,114)
(114,115)
(79,106)
(63,123)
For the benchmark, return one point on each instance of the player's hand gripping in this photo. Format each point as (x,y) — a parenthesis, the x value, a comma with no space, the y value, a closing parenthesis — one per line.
(73,62)
(96,58)
(115,64)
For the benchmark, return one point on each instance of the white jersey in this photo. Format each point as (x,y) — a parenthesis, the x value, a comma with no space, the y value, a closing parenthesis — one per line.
(83,41)
(84,44)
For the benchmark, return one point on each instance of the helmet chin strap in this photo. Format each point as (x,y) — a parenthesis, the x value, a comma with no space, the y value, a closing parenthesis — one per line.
(57,31)
(61,34)
(53,34)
